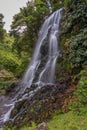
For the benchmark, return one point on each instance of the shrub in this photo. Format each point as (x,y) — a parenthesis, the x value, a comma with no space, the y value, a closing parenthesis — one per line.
(78,48)
(8,60)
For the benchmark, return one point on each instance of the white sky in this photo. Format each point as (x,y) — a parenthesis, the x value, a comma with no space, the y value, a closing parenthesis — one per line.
(9,8)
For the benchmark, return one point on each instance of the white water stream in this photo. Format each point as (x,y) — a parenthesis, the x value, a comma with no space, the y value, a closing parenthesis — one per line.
(49,5)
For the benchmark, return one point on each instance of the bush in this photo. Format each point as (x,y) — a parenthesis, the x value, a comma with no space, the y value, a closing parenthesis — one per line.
(78,48)
(8,60)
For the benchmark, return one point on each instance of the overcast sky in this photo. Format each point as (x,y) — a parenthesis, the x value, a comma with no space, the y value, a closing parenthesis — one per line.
(9,8)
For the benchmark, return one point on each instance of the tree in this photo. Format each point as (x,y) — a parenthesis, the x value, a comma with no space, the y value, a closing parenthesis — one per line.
(1,28)
(25,28)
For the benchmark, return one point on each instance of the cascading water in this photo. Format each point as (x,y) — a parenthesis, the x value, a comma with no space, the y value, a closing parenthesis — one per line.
(49,5)
(48,37)
(50,31)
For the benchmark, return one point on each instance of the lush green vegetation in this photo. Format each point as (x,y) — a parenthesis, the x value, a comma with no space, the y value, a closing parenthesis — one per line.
(77,32)
(33,126)
(8,60)
(68,121)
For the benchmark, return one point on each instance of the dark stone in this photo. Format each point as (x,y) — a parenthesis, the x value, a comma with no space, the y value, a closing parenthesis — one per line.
(11,87)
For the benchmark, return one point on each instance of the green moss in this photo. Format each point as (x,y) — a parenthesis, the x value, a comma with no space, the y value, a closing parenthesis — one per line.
(6,128)
(33,126)
(26,127)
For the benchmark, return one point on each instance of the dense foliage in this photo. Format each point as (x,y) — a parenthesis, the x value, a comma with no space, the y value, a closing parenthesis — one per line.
(78,48)
(9,60)
(75,25)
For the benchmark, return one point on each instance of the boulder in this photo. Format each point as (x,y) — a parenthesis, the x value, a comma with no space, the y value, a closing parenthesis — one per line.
(42,126)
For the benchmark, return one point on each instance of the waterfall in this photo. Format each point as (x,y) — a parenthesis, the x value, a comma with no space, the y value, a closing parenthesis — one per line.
(50,31)
(49,39)
(49,5)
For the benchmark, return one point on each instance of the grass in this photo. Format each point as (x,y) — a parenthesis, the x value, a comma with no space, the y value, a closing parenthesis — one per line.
(30,128)
(68,121)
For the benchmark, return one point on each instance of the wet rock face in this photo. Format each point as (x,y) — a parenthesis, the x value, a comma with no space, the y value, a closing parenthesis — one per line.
(40,107)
